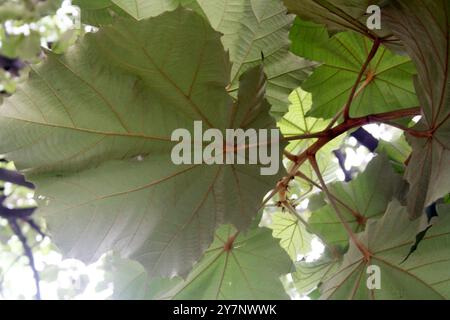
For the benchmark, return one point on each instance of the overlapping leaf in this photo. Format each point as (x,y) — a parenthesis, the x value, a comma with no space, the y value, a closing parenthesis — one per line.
(309,275)
(101,12)
(398,150)
(294,237)
(424,275)
(96,13)
(92,129)
(130,280)
(254,29)
(388,80)
(295,123)
(365,197)
(423,26)
(341,15)
(250,269)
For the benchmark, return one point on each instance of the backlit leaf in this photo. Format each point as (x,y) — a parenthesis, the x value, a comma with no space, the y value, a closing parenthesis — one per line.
(365,197)
(295,123)
(388,83)
(423,276)
(254,29)
(250,270)
(309,275)
(94,128)
(294,237)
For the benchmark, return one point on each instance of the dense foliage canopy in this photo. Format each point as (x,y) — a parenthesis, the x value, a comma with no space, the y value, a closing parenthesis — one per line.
(90,126)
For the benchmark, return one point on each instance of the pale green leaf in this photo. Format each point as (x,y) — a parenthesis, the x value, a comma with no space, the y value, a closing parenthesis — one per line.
(130,280)
(253,29)
(398,150)
(250,270)
(424,275)
(309,275)
(296,122)
(388,79)
(292,234)
(365,197)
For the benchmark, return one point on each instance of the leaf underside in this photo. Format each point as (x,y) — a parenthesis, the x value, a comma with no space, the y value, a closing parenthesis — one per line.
(423,276)
(94,130)
(423,26)
(250,270)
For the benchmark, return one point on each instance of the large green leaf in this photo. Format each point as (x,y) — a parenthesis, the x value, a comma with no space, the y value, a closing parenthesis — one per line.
(388,79)
(365,197)
(424,275)
(249,269)
(426,38)
(92,130)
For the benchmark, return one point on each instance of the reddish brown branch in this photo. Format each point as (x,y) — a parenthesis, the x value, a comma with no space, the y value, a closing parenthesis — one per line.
(325,137)
(305,136)
(365,252)
(228,246)
(347,125)
(330,134)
